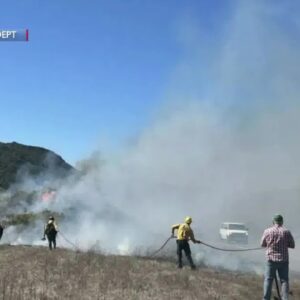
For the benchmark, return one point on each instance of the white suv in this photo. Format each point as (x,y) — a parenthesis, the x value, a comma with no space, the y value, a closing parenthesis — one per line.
(234,232)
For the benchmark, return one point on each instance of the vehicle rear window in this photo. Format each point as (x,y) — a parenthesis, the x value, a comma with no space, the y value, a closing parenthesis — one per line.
(237,227)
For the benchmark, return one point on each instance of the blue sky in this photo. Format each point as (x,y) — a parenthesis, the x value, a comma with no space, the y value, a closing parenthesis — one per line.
(90,72)
(94,73)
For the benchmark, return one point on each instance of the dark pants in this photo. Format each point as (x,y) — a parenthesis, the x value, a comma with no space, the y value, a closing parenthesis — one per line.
(283,272)
(184,245)
(52,240)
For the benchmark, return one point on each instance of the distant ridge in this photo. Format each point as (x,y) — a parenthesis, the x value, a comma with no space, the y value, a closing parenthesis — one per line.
(31,160)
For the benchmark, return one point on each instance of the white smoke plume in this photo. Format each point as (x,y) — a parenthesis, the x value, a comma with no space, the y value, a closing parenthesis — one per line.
(225,146)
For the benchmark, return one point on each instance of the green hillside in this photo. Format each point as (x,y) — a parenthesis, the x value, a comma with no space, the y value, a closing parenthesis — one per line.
(17,159)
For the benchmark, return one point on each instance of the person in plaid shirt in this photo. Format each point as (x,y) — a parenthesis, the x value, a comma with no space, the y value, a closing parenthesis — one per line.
(277,240)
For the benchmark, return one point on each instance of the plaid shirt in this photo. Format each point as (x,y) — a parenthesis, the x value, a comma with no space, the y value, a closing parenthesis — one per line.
(277,240)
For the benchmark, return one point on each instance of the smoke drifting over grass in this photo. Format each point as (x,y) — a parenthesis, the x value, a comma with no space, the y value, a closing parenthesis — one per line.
(224,148)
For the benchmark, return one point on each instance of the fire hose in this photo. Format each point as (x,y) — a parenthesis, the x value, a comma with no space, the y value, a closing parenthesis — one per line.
(208,245)
(230,250)
(68,241)
(164,244)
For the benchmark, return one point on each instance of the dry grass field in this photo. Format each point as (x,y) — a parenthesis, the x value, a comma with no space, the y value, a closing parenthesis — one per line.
(36,273)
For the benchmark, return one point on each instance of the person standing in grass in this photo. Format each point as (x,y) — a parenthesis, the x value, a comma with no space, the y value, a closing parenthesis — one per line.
(50,231)
(277,240)
(184,234)
(1,230)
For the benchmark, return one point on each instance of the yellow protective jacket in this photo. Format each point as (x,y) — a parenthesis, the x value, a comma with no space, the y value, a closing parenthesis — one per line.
(54,225)
(184,232)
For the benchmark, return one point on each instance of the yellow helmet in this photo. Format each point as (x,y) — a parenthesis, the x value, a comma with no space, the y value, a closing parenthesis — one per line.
(188,220)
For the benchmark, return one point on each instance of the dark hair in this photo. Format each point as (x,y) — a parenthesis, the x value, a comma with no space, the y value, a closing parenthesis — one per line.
(278,219)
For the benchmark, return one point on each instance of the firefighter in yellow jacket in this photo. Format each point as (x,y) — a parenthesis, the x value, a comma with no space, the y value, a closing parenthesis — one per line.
(51,230)
(184,234)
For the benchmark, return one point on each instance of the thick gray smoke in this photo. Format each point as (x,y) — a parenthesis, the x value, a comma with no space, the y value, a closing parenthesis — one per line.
(225,146)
